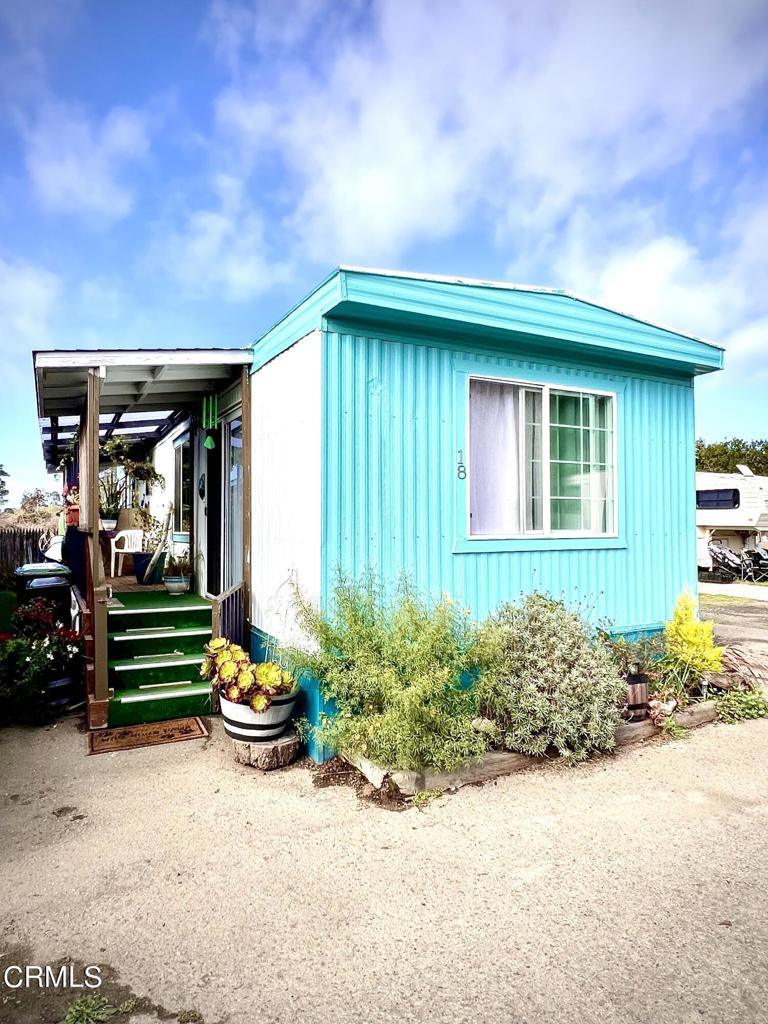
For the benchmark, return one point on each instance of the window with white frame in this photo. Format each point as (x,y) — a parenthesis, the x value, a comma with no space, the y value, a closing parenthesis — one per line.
(541,460)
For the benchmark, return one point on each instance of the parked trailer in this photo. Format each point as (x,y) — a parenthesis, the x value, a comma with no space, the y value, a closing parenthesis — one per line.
(731,515)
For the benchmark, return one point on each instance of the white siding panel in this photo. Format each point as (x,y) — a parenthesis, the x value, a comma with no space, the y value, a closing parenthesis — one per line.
(286,476)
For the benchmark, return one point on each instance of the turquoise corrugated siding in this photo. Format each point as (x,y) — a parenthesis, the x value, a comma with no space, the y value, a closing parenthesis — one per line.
(393,421)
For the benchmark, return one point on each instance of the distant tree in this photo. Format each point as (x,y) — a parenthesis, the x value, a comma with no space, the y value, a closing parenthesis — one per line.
(725,456)
(3,485)
(38,507)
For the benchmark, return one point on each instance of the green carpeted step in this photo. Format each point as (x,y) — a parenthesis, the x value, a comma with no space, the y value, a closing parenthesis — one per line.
(160,640)
(132,673)
(160,703)
(142,611)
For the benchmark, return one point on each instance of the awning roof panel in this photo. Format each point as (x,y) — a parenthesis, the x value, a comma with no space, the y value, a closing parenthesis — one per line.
(143,390)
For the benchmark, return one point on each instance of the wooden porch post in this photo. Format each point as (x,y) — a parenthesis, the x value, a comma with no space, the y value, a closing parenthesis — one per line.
(245,396)
(98,696)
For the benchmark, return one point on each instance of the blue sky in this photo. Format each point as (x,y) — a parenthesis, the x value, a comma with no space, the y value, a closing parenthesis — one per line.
(179,173)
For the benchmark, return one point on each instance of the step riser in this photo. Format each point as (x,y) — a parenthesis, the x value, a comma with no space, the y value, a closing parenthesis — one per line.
(132,647)
(157,710)
(133,678)
(184,618)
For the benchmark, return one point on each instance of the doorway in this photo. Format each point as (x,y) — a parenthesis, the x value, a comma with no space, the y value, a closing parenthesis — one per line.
(219,506)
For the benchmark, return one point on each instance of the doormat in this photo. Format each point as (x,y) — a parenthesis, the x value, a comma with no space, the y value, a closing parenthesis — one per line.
(150,734)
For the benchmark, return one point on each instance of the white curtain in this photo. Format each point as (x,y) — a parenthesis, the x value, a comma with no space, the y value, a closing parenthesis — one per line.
(494,469)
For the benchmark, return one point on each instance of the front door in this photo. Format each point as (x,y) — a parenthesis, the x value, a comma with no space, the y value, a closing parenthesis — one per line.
(219,507)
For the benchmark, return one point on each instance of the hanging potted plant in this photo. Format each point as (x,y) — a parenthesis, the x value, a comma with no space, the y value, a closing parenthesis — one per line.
(178,573)
(256,700)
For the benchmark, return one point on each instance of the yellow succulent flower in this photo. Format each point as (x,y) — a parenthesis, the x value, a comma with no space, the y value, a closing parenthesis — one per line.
(245,678)
(227,671)
(216,645)
(259,702)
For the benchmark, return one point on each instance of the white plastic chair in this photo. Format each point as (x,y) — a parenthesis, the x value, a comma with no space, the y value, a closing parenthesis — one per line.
(131,544)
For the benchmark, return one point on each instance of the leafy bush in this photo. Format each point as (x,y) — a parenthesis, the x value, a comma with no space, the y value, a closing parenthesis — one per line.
(631,656)
(736,705)
(690,653)
(23,675)
(546,682)
(394,669)
(44,649)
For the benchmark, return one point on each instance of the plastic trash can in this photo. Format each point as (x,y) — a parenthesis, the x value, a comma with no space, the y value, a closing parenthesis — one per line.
(24,574)
(36,572)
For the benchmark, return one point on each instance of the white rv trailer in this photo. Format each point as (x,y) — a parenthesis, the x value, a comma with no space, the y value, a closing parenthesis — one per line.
(731,508)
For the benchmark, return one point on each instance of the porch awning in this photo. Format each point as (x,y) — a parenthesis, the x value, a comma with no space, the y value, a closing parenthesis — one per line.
(143,395)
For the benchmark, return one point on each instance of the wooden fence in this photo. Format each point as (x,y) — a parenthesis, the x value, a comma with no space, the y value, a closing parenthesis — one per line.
(19,545)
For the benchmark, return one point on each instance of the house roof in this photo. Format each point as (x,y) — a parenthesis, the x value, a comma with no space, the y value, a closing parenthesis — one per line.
(143,390)
(509,315)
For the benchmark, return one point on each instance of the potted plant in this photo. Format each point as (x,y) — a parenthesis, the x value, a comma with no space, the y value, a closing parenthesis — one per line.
(154,537)
(256,700)
(178,573)
(71,495)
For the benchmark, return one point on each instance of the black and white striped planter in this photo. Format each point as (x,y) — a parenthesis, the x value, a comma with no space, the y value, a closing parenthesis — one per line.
(240,723)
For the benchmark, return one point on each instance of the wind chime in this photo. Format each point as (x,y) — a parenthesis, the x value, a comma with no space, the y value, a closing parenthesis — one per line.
(209,419)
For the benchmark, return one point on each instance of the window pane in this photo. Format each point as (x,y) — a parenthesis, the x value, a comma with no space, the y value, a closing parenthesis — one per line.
(599,446)
(566,514)
(565,444)
(565,409)
(602,416)
(494,447)
(182,491)
(566,480)
(534,510)
(581,463)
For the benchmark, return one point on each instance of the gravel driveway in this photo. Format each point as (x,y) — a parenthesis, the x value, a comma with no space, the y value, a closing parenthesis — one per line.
(631,889)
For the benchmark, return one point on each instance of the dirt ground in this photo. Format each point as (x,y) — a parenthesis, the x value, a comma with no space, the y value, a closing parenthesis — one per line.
(737,619)
(629,890)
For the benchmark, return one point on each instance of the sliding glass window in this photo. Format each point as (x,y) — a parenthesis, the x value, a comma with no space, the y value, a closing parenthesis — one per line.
(541,460)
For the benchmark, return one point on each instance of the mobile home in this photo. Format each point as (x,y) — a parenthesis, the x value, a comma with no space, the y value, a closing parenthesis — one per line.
(486,439)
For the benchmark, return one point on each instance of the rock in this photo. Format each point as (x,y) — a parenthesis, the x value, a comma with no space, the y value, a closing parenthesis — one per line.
(269,754)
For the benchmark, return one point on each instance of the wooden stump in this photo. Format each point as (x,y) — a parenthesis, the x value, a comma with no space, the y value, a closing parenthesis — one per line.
(270,754)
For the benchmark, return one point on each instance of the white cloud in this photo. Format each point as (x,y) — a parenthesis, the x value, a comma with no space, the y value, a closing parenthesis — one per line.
(75,163)
(505,114)
(28,295)
(223,251)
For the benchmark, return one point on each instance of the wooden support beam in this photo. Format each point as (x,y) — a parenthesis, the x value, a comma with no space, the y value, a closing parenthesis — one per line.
(98,700)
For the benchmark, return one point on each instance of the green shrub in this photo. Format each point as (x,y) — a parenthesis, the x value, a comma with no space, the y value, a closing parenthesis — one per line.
(546,682)
(23,674)
(393,668)
(736,705)
(690,653)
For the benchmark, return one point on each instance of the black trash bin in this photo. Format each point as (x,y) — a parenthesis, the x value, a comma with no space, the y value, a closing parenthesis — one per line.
(50,580)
